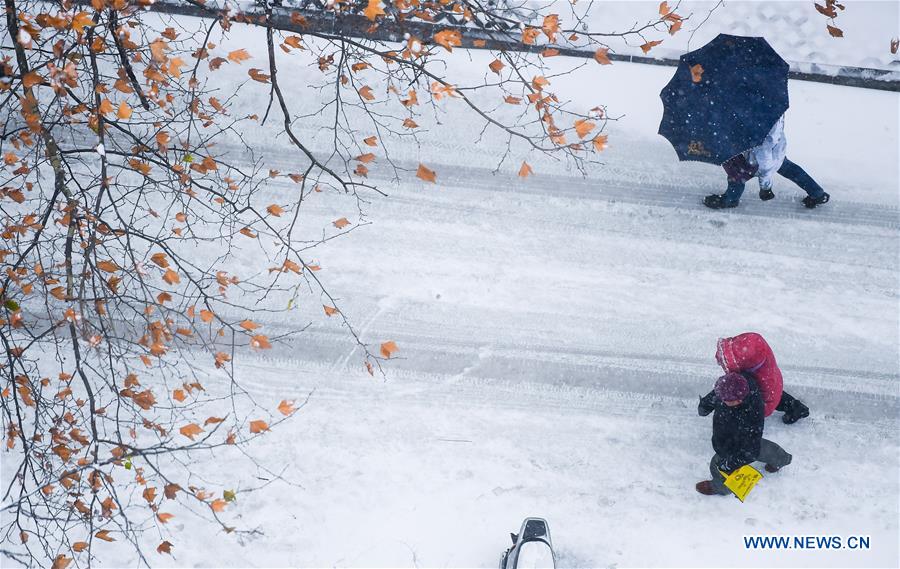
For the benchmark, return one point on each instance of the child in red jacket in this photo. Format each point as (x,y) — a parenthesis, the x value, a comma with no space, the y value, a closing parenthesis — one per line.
(749,352)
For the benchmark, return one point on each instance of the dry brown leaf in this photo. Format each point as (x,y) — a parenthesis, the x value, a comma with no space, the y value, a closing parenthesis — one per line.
(104,535)
(191,430)
(286,407)
(258,426)
(448,39)
(374,9)
(650,45)
(238,55)
(340,223)
(124,111)
(426,174)
(583,127)
(525,170)
(696,73)
(107,266)
(258,75)
(388,349)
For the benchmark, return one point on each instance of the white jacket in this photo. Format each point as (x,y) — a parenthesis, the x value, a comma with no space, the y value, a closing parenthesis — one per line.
(769,155)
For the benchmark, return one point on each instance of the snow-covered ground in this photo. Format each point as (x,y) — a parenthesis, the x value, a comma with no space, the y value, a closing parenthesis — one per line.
(554,334)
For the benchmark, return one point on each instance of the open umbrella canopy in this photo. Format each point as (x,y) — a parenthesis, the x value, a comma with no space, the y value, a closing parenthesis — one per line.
(724,98)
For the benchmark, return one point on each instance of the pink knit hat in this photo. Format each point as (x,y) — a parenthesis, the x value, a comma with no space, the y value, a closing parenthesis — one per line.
(732,387)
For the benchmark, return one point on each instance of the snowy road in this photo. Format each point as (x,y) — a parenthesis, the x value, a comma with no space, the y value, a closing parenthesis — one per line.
(553,336)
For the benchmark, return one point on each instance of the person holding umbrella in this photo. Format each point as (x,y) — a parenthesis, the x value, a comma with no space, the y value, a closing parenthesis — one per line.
(725,105)
(764,161)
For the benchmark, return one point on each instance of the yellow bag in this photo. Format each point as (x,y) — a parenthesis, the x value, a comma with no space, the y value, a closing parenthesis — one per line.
(742,480)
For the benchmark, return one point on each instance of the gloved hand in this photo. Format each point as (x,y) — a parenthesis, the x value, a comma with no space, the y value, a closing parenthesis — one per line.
(707,404)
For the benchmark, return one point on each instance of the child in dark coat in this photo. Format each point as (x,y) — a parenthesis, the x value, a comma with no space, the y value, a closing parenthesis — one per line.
(737,431)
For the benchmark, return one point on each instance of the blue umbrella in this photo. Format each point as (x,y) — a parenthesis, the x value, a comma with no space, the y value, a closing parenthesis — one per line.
(724,98)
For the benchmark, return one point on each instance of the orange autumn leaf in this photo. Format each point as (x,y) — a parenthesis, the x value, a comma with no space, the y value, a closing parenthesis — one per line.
(124,111)
(178,395)
(550,26)
(206,316)
(530,35)
(213,421)
(374,9)
(191,430)
(107,266)
(371,141)
(602,56)
(218,505)
(249,325)
(600,142)
(650,45)
(31,79)
(258,426)
(448,39)
(366,93)
(171,277)
(80,21)
(164,517)
(340,223)
(238,55)
(388,349)
(104,535)
(525,170)
(330,311)
(286,407)
(160,260)
(79,546)
(164,547)
(61,562)
(696,73)
(496,66)
(583,127)
(426,174)
(835,32)
(275,210)
(260,342)
(171,490)
(258,75)
(366,158)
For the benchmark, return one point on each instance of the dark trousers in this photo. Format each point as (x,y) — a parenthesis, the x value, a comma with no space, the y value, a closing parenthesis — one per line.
(769,453)
(788,170)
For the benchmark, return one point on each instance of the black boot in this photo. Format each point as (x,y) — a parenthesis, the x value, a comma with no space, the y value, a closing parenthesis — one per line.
(716,201)
(793,408)
(766,194)
(811,202)
(797,411)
